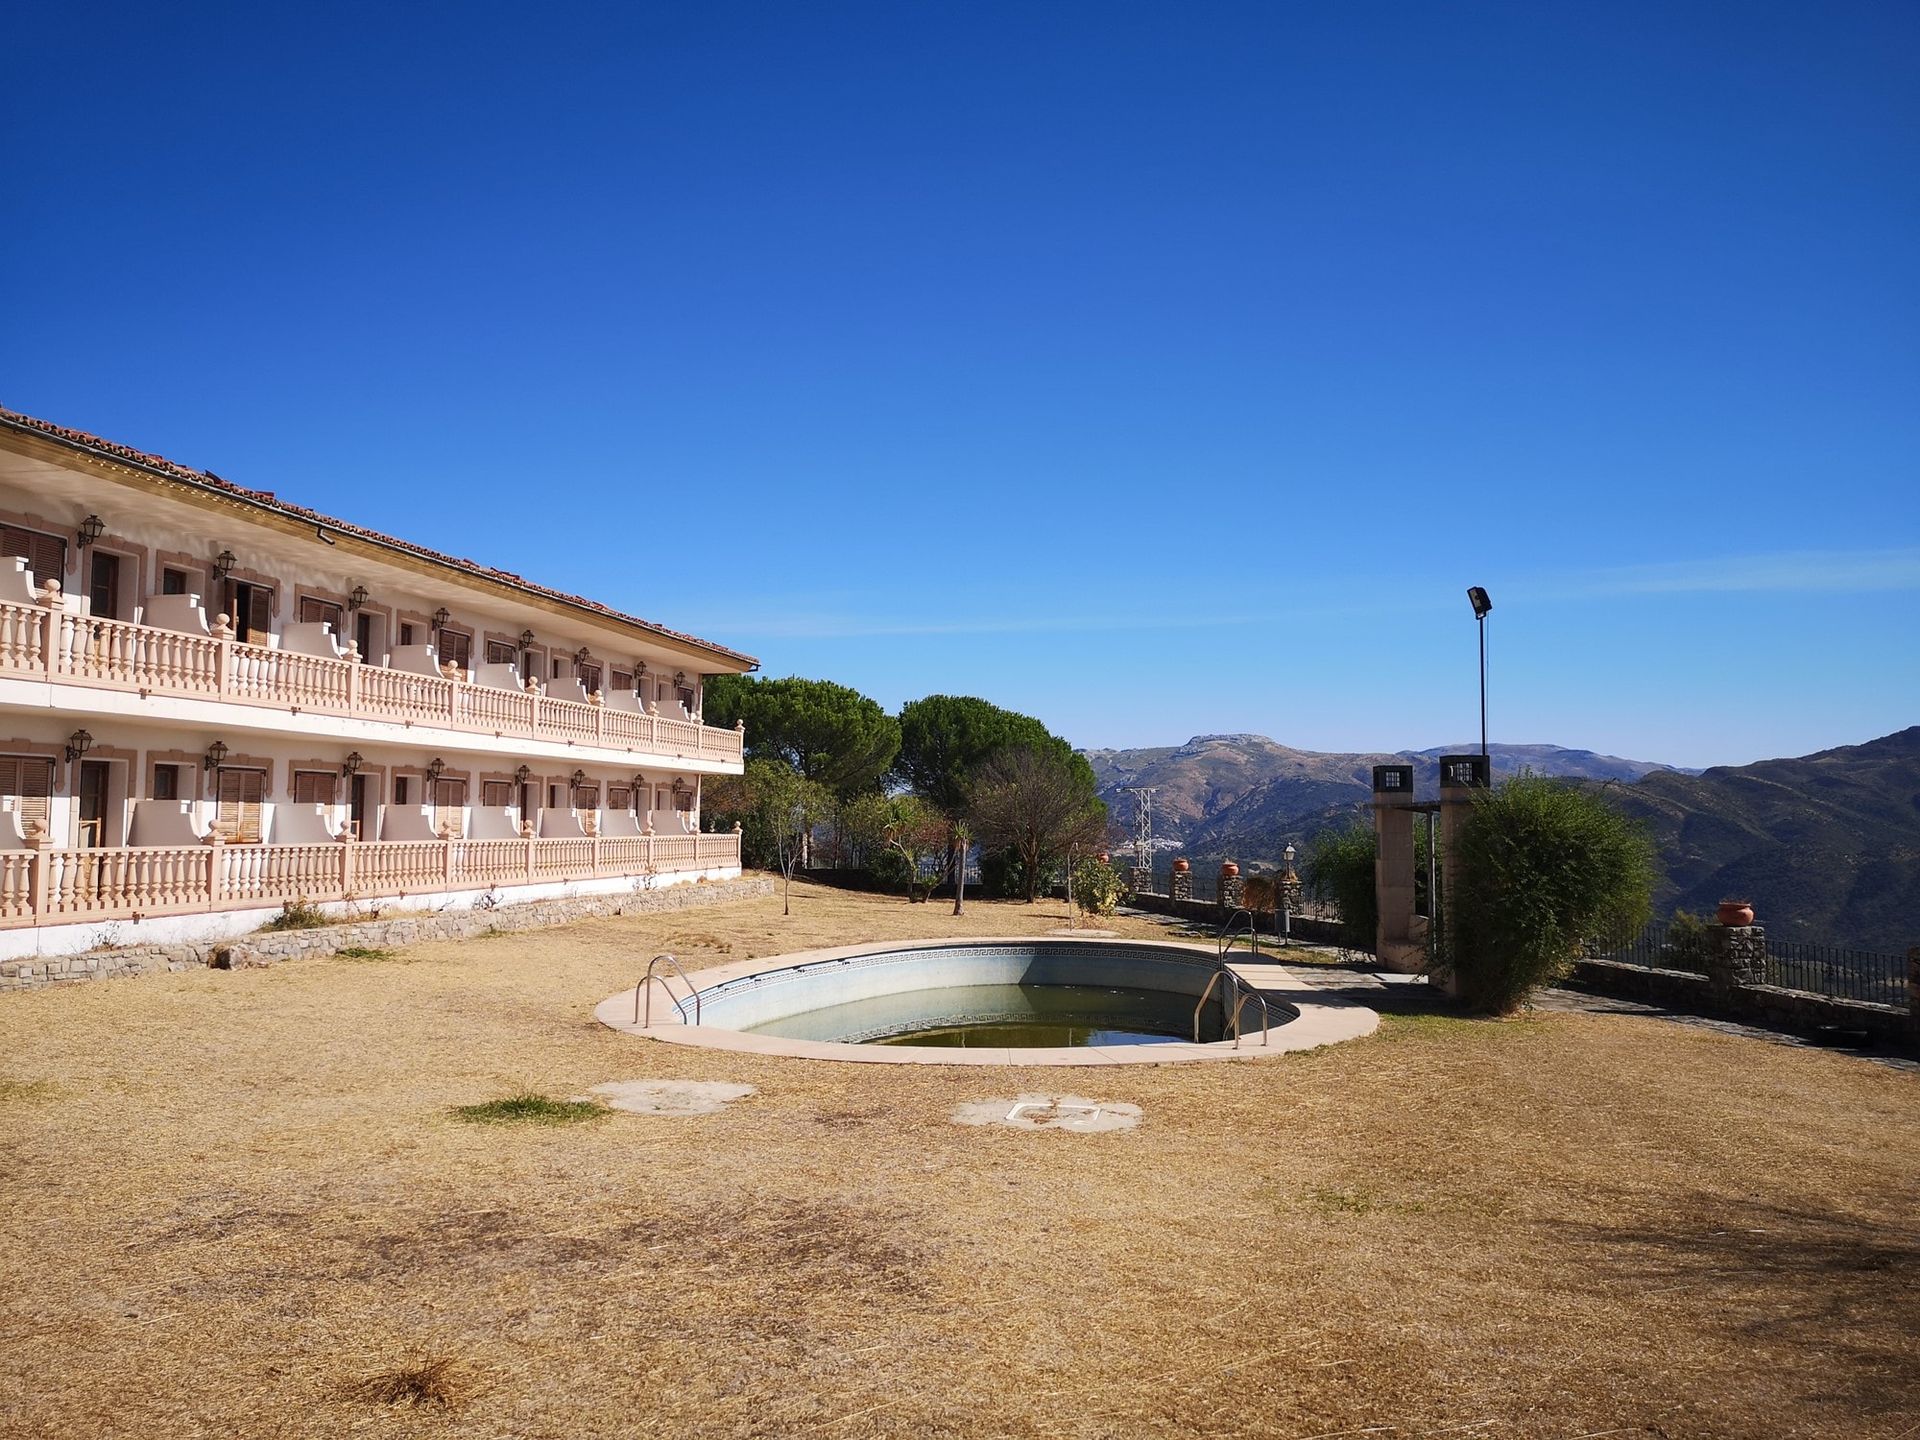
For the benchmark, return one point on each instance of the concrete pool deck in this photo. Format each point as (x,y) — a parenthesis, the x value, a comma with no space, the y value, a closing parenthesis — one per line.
(1319,1018)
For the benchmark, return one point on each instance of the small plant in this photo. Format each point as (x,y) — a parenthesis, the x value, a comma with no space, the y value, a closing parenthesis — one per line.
(431,1382)
(298,914)
(363,952)
(1098,888)
(529,1109)
(488,899)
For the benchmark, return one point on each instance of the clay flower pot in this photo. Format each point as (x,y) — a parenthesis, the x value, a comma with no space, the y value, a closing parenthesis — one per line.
(1735,912)
(1181,867)
(1228,869)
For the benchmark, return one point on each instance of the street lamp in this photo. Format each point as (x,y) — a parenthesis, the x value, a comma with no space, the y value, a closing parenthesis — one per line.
(1286,897)
(1482,607)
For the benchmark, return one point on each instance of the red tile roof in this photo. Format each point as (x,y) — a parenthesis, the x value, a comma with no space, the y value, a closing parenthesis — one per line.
(80,440)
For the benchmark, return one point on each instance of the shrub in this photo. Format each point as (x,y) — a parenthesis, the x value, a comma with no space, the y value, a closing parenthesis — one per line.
(1542,865)
(1097,888)
(298,914)
(529,1109)
(1339,871)
(363,952)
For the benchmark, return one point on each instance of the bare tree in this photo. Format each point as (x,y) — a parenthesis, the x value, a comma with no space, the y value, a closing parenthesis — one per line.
(1040,804)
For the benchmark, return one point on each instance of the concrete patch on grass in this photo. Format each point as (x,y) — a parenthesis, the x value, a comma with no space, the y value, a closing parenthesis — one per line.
(669,1097)
(1073,1113)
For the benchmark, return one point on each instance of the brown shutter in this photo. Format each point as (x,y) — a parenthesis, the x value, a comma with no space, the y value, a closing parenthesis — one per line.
(619,797)
(313,787)
(46,555)
(260,604)
(241,793)
(501,652)
(27,781)
(449,803)
(496,793)
(323,612)
(622,680)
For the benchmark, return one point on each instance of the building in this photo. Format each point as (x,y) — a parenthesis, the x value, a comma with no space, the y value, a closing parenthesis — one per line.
(213,701)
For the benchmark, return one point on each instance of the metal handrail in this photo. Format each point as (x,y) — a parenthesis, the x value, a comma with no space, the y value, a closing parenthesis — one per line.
(1247,992)
(1206,995)
(1242,993)
(646,984)
(1225,940)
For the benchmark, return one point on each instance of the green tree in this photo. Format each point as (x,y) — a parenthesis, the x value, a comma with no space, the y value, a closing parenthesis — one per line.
(1338,871)
(944,739)
(776,809)
(1542,866)
(830,734)
(916,832)
(1039,802)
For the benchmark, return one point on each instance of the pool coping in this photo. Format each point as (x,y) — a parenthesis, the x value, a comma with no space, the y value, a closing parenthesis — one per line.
(1323,1021)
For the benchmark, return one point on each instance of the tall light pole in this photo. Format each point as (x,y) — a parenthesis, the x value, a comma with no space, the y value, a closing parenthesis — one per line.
(1286,899)
(1482,607)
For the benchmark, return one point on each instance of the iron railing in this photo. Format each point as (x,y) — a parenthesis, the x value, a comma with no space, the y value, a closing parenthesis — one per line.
(1840,972)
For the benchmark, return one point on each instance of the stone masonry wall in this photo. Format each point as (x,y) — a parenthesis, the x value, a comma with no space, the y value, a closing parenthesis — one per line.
(270,947)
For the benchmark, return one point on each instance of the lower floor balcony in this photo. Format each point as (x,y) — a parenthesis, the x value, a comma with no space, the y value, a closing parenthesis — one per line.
(41,885)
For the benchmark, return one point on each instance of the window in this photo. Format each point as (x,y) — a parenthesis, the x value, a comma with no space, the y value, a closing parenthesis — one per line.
(456,646)
(400,788)
(501,652)
(314,787)
(357,805)
(363,636)
(683,799)
(103,585)
(46,555)
(685,696)
(622,680)
(496,794)
(321,612)
(619,797)
(241,793)
(166,782)
(663,798)
(586,797)
(406,635)
(589,678)
(26,787)
(173,582)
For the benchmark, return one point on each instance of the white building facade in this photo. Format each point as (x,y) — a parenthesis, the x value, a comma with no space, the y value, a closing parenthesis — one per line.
(214,702)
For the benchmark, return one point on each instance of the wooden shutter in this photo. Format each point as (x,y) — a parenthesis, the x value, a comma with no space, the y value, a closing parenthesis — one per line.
(449,805)
(26,784)
(166,782)
(496,793)
(589,678)
(46,555)
(241,793)
(323,612)
(314,787)
(501,652)
(622,680)
(586,797)
(457,647)
(619,797)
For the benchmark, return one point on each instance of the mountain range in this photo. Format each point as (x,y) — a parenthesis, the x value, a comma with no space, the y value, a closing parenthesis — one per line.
(1827,846)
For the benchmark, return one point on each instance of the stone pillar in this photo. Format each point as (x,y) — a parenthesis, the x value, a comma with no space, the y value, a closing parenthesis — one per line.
(1736,955)
(1180,887)
(1140,879)
(1393,941)
(1460,777)
(1233,888)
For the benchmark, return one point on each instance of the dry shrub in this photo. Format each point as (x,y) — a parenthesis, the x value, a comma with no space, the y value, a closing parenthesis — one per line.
(429,1382)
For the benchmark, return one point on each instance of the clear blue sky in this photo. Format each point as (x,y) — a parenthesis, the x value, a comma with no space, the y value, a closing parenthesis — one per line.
(1157,369)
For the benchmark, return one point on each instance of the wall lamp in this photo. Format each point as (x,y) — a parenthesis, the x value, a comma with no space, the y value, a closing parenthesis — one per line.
(436,767)
(223,564)
(351,765)
(523,774)
(91,529)
(441,617)
(358,598)
(217,754)
(578,779)
(78,744)
(582,655)
(526,639)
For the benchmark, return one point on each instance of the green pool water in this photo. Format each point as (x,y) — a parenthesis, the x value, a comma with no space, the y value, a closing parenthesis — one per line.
(1005,1017)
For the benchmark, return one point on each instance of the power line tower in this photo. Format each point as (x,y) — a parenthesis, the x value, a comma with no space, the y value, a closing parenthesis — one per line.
(1142,825)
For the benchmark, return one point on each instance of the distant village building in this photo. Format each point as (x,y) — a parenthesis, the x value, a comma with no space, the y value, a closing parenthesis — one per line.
(215,702)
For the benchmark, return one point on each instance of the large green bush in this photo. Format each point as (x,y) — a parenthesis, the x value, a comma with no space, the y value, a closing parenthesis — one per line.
(1542,866)
(1338,871)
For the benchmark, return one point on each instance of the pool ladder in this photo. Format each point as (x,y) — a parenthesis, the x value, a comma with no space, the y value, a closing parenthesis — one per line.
(1234,998)
(1229,932)
(646,987)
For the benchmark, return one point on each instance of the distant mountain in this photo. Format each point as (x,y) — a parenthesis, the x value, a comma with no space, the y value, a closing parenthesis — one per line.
(1242,796)
(1826,846)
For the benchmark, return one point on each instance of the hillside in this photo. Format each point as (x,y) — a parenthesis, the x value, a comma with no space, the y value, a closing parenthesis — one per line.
(1826,846)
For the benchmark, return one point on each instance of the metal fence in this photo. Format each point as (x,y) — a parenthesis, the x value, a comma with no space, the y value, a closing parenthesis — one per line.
(1838,971)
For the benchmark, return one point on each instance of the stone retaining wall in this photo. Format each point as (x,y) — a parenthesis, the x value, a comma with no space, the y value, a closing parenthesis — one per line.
(270,947)
(1768,1006)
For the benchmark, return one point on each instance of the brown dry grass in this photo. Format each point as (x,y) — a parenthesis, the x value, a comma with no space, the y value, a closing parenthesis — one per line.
(227,1200)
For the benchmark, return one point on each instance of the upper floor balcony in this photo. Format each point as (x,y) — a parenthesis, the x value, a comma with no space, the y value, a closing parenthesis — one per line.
(89,662)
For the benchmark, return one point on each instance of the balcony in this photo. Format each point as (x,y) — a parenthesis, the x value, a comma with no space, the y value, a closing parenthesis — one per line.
(47,886)
(61,648)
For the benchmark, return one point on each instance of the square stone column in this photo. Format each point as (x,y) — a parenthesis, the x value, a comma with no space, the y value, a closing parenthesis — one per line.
(1394,941)
(1232,893)
(1460,777)
(1736,955)
(1180,885)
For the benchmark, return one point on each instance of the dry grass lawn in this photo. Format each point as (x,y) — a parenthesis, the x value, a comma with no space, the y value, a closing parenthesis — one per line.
(240,1205)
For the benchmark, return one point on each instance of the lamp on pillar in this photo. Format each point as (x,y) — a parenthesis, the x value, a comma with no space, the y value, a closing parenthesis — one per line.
(1482,607)
(1287,882)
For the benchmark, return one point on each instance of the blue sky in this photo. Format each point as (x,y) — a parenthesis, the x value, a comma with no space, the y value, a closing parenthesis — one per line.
(1157,369)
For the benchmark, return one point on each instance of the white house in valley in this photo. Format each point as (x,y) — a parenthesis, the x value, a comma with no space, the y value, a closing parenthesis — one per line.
(213,701)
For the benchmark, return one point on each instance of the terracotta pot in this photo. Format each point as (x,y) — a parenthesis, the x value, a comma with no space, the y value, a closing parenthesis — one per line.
(1181,867)
(1105,858)
(1735,912)
(1228,869)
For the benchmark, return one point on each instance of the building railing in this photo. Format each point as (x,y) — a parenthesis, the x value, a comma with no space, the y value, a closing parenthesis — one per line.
(61,647)
(48,886)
